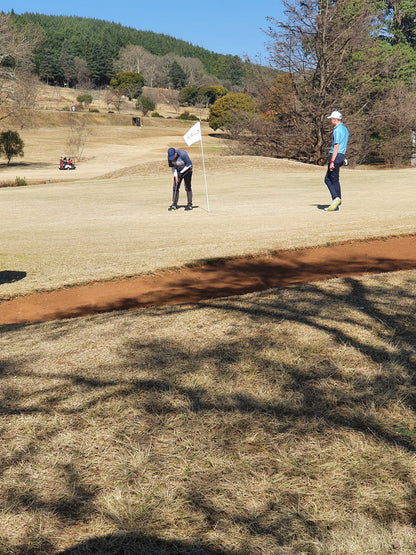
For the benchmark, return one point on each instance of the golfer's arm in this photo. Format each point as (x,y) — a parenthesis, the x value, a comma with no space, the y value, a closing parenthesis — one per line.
(335,152)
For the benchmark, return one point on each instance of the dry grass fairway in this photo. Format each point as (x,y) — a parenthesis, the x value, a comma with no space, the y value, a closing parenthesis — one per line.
(280,422)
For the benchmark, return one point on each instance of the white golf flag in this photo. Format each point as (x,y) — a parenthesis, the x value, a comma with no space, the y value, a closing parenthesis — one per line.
(193,135)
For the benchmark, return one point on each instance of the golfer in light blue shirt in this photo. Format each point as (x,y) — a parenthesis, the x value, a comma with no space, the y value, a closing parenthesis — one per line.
(336,159)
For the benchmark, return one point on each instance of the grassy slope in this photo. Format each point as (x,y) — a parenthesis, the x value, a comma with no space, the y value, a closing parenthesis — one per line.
(280,422)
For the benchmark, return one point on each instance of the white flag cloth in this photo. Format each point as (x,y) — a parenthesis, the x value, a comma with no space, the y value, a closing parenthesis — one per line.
(193,135)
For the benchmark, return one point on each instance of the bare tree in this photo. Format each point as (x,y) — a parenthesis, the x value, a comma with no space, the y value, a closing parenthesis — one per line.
(114,99)
(211,81)
(169,97)
(78,133)
(259,76)
(16,47)
(26,92)
(152,93)
(330,56)
(164,65)
(138,60)
(132,58)
(150,70)
(394,117)
(193,69)
(315,47)
(56,95)
(82,73)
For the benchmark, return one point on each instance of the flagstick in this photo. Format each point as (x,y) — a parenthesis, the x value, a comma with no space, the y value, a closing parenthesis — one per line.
(192,136)
(203,165)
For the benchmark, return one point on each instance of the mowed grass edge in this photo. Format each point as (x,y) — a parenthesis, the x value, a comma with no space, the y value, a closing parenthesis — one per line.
(276,422)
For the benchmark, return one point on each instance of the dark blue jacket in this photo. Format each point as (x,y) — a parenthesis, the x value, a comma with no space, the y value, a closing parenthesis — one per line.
(182,161)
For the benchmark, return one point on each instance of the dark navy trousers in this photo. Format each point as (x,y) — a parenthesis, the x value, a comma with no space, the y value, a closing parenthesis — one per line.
(332,177)
(187,178)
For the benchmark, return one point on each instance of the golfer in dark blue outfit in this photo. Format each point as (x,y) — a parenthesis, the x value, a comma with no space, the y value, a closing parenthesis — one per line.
(336,159)
(181,166)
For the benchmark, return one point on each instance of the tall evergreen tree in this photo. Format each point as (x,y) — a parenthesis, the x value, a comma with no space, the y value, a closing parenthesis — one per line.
(67,64)
(177,76)
(98,65)
(48,66)
(400,21)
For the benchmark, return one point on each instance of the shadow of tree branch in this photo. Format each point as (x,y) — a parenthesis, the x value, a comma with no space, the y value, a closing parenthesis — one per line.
(160,381)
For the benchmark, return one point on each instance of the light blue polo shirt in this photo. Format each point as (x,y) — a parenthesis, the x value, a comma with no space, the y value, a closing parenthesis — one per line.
(340,137)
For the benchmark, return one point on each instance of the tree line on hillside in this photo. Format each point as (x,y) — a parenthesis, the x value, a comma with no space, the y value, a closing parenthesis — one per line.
(76,49)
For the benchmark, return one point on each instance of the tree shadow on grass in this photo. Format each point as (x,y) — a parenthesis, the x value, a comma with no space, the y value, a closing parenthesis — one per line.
(9,276)
(395,319)
(23,165)
(376,322)
(139,544)
(398,372)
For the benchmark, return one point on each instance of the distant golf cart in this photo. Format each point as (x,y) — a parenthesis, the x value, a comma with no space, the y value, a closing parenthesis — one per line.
(66,163)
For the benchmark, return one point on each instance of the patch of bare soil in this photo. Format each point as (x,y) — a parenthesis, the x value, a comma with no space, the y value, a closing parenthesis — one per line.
(217,278)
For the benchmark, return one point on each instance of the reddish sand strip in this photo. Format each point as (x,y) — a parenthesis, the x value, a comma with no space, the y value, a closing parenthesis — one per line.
(217,279)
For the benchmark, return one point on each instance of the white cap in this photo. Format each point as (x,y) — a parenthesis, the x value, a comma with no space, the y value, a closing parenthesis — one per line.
(335,114)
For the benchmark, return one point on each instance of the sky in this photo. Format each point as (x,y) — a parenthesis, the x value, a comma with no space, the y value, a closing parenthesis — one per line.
(223,26)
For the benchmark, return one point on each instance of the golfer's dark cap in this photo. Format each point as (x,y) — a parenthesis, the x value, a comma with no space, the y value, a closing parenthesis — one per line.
(171,154)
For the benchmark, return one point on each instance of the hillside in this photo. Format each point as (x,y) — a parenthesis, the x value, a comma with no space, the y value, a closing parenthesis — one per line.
(99,43)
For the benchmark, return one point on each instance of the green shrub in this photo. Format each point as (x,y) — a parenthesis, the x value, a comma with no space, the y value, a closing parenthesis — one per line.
(145,104)
(155,115)
(84,99)
(11,144)
(188,117)
(20,182)
(208,95)
(187,96)
(94,110)
(65,109)
(129,83)
(226,109)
